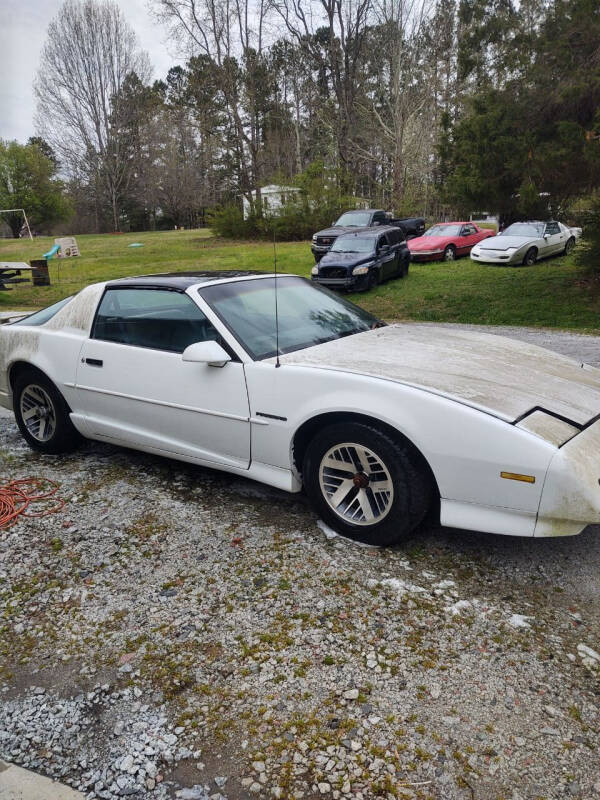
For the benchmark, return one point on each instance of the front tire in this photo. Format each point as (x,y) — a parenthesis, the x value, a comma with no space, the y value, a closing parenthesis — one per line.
(366,484)
(530,257)
(42,414)
(450,253)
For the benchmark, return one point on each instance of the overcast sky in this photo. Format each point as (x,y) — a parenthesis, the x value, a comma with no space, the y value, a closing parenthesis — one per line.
(23,27)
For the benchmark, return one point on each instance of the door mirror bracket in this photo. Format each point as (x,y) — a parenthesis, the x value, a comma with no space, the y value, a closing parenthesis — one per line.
(209,352)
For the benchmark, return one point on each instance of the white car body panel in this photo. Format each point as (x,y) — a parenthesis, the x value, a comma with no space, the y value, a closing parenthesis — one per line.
(473,404)
(157,399)
(509,250)
(501,376)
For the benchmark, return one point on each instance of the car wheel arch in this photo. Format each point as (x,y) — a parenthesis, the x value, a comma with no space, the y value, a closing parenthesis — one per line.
(310,427)
(17,368)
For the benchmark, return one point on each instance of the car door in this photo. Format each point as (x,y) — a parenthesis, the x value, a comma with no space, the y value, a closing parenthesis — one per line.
(135,388)
(468,238)
(387,255)
(554,237)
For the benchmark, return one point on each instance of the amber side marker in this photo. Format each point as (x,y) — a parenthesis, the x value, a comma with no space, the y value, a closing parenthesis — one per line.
(515,476)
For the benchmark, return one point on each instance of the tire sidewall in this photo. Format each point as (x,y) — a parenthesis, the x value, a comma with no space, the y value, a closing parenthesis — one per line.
(450,249)
(397,522)
(526,260)
(65,436)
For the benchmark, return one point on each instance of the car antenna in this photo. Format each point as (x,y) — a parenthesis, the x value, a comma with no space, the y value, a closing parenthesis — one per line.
(277,363)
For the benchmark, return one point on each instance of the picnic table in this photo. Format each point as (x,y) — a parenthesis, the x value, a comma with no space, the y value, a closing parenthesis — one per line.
(10,272)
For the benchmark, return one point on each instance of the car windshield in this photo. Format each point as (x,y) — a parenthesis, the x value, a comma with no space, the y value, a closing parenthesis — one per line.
(353,244)
(354,219)
(443,230)
(307,314)
(525,229)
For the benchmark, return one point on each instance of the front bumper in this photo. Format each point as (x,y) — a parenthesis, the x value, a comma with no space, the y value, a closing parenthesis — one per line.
(571,496)
(350,283)
(497,257)
(427,255)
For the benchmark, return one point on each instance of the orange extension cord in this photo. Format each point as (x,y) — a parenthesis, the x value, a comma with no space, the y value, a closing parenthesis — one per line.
(16,497)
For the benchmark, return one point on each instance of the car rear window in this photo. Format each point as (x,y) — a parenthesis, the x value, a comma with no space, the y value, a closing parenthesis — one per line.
(40,317)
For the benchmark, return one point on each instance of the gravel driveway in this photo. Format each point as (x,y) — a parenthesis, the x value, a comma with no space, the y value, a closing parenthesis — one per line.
(176,632)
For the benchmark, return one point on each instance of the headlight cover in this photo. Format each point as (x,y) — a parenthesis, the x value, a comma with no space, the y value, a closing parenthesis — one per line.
(314,270)
(548,427)
(362,269)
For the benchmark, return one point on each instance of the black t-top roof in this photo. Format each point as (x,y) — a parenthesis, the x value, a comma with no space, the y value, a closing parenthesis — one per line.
(181,280)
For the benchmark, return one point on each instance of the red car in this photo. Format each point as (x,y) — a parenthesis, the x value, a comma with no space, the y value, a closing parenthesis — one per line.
(446,241)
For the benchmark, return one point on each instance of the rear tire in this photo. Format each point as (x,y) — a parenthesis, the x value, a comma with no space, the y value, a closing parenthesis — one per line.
(43,415)
(366,484)
(530,257)
(569,246)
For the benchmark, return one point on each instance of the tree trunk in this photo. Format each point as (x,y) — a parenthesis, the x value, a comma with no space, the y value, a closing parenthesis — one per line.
(15,223)
(115,211)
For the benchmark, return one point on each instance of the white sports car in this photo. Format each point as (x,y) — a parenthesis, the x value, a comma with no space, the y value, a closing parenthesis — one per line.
(525,242)
(381,424)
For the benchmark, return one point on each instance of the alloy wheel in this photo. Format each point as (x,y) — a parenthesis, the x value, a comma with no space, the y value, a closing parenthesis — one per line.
(356,483)
(449,254)
(38,412)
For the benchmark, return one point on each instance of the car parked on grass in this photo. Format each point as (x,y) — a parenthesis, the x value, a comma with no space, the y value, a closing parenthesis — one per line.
(350,221)
(523,243)
(446,241)
(359,261)
(381,424)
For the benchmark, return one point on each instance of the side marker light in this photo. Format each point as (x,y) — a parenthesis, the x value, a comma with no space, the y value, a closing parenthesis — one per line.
(515,476)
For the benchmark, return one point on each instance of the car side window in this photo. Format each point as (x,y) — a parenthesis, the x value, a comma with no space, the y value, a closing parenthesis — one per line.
(379,218)
(552,228)
(158,319)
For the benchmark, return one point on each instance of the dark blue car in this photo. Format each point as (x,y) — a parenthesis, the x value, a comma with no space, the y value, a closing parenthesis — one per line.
(361,260)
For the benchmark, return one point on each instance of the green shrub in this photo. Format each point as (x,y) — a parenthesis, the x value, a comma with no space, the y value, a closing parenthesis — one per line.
(315,208)
(587,215)
(293,222)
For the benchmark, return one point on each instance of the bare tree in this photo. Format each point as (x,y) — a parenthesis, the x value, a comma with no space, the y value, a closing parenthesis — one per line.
(335,32)
(89,52)
(402,102)
(231,34)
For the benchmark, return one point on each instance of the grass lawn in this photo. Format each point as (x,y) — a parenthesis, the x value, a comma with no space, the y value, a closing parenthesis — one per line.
(549,294)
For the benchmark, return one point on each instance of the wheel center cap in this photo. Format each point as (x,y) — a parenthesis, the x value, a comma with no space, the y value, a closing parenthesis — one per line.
(360,480)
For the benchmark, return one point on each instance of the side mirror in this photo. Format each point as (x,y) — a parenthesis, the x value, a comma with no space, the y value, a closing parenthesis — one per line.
(385,248)
(546,236)
(209,352)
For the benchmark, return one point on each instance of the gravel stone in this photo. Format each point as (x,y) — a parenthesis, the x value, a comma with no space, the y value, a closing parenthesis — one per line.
(176,632)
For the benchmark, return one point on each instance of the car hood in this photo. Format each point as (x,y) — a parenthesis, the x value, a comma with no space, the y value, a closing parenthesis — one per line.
(505,242)
(428,242)
(346,259)
(503,377)
(337,230)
